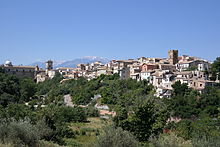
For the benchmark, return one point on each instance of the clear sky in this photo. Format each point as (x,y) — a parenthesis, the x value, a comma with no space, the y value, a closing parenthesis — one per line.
(33,30)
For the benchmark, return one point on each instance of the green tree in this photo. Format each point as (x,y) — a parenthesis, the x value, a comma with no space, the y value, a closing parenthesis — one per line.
(184,101)
(27,89)
(140,121)
(57,119)
(9,84)
(6,99)
(210,101)
(215,68)
(180,89)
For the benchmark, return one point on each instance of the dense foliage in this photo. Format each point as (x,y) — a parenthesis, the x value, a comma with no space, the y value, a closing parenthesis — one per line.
(198,115)
(25,124)
(188,103)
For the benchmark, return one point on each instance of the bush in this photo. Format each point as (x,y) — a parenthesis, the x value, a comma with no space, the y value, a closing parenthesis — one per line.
(70,114)
(21,132)
(169,140)
(43,143)
(92,111)
(206,142)
(116,137)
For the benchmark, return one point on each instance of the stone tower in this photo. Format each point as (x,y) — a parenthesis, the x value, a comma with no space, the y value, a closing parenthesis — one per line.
(49,65)
(173,56)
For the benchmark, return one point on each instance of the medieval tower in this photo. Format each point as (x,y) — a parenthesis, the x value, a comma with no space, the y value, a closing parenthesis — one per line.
(173,56)
(49,65)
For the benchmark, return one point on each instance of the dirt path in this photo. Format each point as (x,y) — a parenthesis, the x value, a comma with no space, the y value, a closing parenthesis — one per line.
(68,100)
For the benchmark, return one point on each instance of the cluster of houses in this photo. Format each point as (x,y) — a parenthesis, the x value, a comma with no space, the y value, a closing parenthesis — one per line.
(160,72)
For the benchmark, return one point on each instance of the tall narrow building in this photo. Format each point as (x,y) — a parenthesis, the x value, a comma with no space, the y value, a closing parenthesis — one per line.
(173,56)
(49,65)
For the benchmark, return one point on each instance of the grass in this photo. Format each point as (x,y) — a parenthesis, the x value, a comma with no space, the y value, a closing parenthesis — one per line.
(87,132)
(6,145)
(93,122)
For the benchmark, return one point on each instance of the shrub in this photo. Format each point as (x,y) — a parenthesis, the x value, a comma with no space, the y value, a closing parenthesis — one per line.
(116,137)
(206,142)
(169,140)
(21,132)
(92,112)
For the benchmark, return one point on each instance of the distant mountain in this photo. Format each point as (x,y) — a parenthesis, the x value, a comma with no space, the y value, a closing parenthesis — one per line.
(73,63)
(41,64)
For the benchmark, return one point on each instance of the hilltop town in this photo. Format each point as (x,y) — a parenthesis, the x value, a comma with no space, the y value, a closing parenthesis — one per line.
(162,73)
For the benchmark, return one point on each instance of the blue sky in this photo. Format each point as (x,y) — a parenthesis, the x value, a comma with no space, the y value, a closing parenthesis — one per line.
(33,30)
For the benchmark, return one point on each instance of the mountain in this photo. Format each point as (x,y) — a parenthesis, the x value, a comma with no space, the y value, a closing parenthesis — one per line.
(41,64)
(73,63)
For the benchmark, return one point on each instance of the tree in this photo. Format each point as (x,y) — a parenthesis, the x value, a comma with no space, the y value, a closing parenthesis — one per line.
(215,69)
(184,101)
(180,89)
(28,89)
(203,128)
(57,119)
(9,84)
(6,99)
(2,70)
(140,121)
(210,101)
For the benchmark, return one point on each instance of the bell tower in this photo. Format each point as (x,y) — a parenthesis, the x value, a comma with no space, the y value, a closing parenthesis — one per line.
(49,65)
(173,56)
